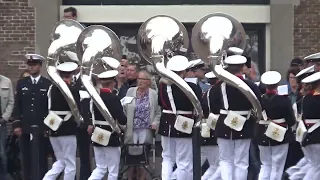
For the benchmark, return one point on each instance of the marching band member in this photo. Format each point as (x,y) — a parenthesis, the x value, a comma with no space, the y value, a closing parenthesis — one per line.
(106,144)
(176,123)
(209,148)
(299,171)
(83,138)
(250,72)
(235,126)
(31,108)
(278,120)
(308,129)
(63,134)
(313,59)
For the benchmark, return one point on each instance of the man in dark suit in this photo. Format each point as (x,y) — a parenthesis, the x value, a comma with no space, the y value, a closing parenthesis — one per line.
(31,108)
(132,75)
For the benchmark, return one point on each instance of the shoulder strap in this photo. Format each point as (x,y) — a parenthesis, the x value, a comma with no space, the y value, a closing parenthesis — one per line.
(302,100)
(91,111)
(224,96)
(208,99)
(49,97)
(173,105)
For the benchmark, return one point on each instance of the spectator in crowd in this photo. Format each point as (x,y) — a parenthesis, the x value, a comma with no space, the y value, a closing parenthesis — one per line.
(121,77)
(143,115)
(293,84)
(296,63)
(190,73)
(24,74)
(124,61)
(13,149)
(295,152)
(252,72)
(6,108)
(132,72)
(70,13)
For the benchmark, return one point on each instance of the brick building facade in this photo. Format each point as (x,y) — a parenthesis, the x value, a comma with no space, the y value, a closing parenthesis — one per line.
(307,28)
(18,32)
(17,36)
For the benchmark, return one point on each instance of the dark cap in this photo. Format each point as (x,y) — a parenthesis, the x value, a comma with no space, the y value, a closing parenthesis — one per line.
(296,62)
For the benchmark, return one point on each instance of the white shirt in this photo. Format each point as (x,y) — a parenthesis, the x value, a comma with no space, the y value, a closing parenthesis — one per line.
(36,78)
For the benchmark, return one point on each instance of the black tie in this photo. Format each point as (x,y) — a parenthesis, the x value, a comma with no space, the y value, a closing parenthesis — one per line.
(34,81)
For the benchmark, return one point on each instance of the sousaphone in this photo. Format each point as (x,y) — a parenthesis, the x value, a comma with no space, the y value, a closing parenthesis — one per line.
(160,38)
(63,41)
(98,49)
(211,38)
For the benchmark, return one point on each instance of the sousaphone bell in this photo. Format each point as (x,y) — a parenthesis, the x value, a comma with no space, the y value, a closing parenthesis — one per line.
(212,36)
(98,49)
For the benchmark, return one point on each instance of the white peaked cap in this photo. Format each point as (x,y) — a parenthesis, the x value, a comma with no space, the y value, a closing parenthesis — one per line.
(271,77)
(34,57)
(306,70)
(312,56)
(67,66)
(178,63)
(235,59)
(196,62)
(113,63)
(108,74)
(235,50)
(312,78)
(210,75)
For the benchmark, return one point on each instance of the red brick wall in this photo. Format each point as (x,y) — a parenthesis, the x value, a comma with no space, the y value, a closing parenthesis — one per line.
(17,36)
(307,28)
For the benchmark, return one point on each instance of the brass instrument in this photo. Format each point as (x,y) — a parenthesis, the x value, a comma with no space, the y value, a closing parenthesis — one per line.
(211,37)
(98,47)
(160,38)
(63,39)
